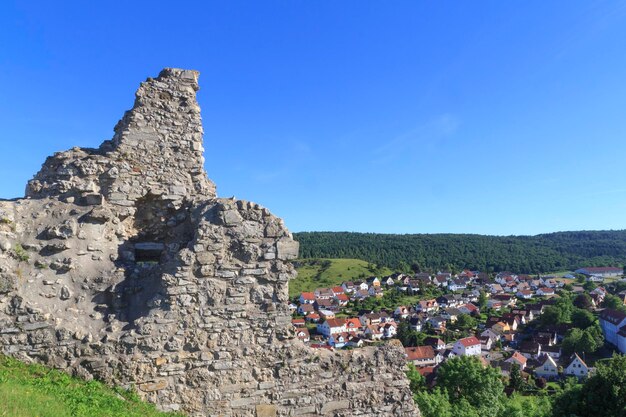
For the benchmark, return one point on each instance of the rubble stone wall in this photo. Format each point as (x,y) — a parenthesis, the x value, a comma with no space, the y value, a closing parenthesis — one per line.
(123,265)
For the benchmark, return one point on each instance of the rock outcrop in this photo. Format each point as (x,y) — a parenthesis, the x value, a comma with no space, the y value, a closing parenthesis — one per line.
(123,265)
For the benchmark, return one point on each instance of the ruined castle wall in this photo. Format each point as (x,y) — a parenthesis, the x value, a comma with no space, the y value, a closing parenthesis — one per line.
(183,295)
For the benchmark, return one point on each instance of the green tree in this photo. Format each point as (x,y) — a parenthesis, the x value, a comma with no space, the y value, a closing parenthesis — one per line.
(583,301)
(515,379)
(416,380)
(583,341)
(560,312)
(582,318)
(466,379)
(482,300)
(614,302)
(527,406)
(465,322)
(409,337)
(580,278)
(590,286)
(434,404)
(603,394)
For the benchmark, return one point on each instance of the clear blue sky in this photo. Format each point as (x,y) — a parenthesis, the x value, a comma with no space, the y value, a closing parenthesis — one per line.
(407,116)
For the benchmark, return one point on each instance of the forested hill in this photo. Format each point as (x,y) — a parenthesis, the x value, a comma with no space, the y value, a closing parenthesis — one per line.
(521,254)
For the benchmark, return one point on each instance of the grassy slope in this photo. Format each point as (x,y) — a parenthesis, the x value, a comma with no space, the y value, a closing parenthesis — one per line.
(313,274)
(37,391)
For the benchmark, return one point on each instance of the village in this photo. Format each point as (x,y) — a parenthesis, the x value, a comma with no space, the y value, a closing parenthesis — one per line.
(551,327)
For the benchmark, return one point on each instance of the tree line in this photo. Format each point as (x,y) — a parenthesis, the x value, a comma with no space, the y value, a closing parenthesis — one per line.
(431,252)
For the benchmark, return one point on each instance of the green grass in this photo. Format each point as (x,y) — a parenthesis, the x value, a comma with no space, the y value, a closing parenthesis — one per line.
(320,273)
(38,391)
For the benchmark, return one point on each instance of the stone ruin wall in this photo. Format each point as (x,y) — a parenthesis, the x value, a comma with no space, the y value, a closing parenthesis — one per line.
(123,265)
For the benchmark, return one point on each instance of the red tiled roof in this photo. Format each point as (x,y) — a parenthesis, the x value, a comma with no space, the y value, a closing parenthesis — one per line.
(519,358)
(308,296)
(336,322)
(470,307)
(419,353)
(612,316)
(426,370)
(353,323)
(469,341)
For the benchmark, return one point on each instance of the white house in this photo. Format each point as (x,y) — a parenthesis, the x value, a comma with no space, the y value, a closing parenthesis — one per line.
(601,271)
(548,368)
(416,323)
(613,324)
(457,284)
(492,334)
(468,346)
(303,334)
(331,326)
(373,332)
(577,367)
(338,340)
(422,356)
(389,330)
(401,312)
(519,359)
(307,298)
(545,291)
(427,306)
(486,343)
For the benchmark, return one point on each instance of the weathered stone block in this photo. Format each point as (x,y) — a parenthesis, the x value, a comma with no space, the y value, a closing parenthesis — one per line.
(153,386)
(266,410)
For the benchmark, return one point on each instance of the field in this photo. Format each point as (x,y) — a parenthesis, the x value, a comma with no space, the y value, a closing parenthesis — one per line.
(316,273)
(37,391)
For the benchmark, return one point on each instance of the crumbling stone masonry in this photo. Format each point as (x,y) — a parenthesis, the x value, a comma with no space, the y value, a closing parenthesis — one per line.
(121,264)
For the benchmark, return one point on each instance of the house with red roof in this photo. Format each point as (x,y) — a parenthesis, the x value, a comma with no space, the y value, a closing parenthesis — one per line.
(427,306)
(297,322)
(545,291)
(435,342)
(374,331)
(331,326)
(302,333)
(469,308)
(525,294)
(337,290)
(313,317)
(519,359)
(342,299)
(401,312)
(468,346)
(353,324)
(422,356)
(307,298)
(305,309)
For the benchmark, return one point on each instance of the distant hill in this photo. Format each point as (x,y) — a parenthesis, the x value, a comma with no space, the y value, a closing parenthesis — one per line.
(522,254)
(315,273)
